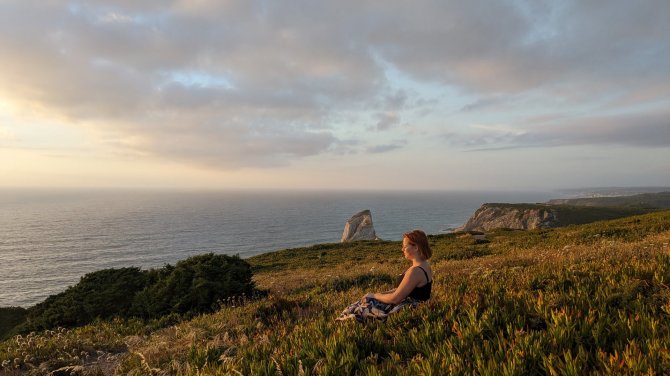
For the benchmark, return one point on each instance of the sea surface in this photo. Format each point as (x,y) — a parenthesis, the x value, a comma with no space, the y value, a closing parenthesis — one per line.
(50,238)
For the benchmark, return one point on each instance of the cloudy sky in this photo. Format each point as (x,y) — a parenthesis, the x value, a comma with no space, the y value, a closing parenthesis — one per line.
(338,95)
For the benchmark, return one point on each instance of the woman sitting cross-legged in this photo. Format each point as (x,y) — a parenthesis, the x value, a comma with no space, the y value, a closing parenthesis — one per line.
(414,287)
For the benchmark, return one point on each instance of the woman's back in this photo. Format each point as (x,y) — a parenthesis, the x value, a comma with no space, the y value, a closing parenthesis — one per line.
(422,291)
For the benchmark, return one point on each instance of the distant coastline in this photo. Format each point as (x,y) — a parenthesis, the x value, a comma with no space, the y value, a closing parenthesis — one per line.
(610,191)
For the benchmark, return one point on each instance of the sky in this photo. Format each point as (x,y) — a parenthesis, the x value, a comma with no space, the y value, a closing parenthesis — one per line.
(373,95)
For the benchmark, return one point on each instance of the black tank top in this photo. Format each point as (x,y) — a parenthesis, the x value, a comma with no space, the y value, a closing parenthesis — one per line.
(420,293)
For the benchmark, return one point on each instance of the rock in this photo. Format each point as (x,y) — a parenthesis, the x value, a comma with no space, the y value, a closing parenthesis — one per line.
(540,216)
(511,216)
(359,227)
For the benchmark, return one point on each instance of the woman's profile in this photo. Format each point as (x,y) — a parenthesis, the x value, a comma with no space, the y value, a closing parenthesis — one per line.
(414,287)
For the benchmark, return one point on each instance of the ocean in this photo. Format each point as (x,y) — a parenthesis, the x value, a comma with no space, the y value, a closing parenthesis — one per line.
(50,238)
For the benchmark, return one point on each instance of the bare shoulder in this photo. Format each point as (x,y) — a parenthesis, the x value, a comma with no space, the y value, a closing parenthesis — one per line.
(426,267)
(416,272)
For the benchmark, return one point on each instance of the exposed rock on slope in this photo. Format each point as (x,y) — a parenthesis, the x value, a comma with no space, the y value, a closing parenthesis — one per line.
(359,227)
(533,216)
(492,216)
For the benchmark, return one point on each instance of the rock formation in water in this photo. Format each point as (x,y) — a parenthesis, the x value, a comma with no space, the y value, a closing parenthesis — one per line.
(520,217)
(359,227)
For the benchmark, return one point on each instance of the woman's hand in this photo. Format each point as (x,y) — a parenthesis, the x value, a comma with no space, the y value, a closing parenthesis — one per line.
(368,295)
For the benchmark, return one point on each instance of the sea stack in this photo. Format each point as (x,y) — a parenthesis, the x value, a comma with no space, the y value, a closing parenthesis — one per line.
(359,227)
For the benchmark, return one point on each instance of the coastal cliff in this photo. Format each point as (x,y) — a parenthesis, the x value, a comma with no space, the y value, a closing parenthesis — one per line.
(512,216)
(492,216)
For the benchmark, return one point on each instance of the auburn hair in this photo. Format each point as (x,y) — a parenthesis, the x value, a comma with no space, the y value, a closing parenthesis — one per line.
(419,238)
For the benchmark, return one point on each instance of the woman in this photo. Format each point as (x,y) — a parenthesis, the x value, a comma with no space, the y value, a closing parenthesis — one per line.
(415,286)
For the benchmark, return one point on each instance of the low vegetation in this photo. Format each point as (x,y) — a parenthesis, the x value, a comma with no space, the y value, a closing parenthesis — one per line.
(660,200)
(190,287)
(10,317)
(581,299)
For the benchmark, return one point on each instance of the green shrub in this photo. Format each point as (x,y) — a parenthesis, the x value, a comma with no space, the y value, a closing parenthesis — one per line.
(194,285)
(9,318)
(102,294)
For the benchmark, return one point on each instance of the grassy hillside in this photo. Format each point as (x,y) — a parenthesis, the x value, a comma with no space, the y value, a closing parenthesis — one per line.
(577,215)
(659,200)
(574,300)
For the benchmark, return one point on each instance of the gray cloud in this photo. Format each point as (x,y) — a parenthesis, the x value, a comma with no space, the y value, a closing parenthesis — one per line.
(377,149)
(483,103)
(254,83)
(397,100)
(515,46)
(641,130)
(387,120)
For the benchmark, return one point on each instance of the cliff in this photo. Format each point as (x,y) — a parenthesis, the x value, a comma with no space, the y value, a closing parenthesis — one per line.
(533,216)
(523,217)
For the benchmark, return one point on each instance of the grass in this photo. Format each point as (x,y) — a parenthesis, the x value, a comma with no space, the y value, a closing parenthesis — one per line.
(582,299)
(660,200)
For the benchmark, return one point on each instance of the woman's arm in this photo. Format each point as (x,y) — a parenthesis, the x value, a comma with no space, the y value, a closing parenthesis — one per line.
(397,295)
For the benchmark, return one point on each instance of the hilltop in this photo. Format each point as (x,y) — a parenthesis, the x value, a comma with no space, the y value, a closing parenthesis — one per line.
(657,200)
(572,300)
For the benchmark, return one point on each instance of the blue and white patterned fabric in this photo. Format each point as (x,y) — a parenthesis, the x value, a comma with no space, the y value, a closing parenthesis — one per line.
(370,309)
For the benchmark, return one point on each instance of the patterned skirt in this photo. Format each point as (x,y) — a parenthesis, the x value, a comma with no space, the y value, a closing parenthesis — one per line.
(370,309)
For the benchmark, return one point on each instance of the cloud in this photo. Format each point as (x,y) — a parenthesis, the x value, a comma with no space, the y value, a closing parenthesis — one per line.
(237,84)
(384,148)
(646,130)
(510,47)
(6,136)
(397,100)
(387,120)
(484,103)
(233,91)
(640,130)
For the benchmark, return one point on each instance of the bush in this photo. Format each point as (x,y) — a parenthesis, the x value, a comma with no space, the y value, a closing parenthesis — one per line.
(9,318)
(194,285)
(191,286)
(102,294)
